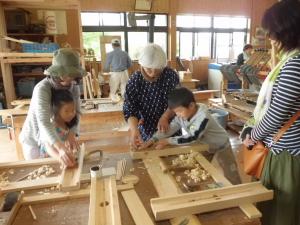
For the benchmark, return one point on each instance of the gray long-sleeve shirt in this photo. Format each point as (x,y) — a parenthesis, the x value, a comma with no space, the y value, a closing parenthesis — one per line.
(201,127)
(37,127)
(117,61)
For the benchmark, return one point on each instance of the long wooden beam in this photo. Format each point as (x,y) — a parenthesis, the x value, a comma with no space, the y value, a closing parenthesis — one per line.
(249,209)
(104,204)
(209,200)
(168,151)
(28,163)
(136,208)
(165,186)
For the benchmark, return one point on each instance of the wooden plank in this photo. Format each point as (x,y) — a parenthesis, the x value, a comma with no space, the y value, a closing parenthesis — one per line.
(209,200)
(204,95)
(136,208)
(28,163)
(27,60)
(52,182)
(249,209)
(97,209)
(169,151)
(104,203)
(70,177)
(8,83)
(114,208)
(52,197)
(25,54)
(14,210)
(125,187)
(165,185)
(19,102)
(29,185)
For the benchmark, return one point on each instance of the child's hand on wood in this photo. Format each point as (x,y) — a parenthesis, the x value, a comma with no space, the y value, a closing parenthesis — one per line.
(146,144)
(71,141)
(65,155)
(161,144)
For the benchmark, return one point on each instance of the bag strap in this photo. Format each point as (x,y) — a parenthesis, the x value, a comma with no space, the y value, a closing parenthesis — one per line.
(286,127)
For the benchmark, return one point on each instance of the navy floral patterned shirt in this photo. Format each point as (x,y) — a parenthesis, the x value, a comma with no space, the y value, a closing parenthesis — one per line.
(147,101)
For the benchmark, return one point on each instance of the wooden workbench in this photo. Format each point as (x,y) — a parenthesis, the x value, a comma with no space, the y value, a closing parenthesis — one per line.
(104,127)
(75,211)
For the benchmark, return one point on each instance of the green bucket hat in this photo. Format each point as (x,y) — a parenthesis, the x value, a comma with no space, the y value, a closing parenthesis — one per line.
(66,62)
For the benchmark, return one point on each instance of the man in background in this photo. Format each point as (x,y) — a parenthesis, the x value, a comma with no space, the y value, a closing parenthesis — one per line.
(117,62)
(245,55)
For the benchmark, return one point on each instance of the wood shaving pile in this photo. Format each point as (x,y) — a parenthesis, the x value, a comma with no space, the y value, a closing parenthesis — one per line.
(42,172)
(4,179)
(185,160)
(196,174)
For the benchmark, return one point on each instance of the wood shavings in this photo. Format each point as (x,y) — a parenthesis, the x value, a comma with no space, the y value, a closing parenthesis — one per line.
(197,174)
(3,179)
(140,167)
(11,171)
(131,170)
(41,173)
(185,160)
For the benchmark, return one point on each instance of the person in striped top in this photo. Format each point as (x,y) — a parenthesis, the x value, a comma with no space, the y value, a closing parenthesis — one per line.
(279,99)
(37,128)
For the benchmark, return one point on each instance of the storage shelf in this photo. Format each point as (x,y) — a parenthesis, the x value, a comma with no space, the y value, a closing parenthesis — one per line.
(29,74)
(28,34)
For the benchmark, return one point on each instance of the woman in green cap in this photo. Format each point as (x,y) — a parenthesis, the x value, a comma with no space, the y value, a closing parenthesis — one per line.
(38,128)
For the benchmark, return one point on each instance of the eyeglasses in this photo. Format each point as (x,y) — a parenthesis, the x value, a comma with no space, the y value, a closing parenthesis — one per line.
(67,79)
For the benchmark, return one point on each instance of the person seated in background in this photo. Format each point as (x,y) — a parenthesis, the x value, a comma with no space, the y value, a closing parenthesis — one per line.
(197,126)
(245,55)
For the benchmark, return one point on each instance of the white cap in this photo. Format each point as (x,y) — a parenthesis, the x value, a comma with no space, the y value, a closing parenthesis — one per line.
(153,56)
(115,41)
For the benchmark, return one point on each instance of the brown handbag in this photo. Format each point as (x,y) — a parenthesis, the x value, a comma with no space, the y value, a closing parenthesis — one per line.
(254,159)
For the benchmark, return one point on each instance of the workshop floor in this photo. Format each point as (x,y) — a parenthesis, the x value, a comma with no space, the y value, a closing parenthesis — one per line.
(8,152)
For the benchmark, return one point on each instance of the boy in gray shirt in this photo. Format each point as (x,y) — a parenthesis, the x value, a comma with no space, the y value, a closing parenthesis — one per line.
(197,125)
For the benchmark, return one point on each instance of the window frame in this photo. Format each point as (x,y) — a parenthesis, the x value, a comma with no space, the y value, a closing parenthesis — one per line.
(126,28)
(213,31)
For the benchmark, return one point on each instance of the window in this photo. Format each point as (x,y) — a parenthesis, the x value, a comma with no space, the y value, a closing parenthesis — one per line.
(133,37)
(186,49)
(161,20)
(193,21)
(136,40)
(90,19)
(222,46)
(230,22)
(238,42)
(202,44)
(211,36)
(111,19)
(102,19)
(91,40)
(160,38)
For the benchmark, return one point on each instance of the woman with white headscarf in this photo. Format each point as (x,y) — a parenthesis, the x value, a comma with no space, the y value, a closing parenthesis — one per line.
(146,104)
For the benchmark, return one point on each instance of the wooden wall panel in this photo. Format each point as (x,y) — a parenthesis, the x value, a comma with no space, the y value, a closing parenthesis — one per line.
(158,6)
(258,9)
(215,7)
(73,30)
